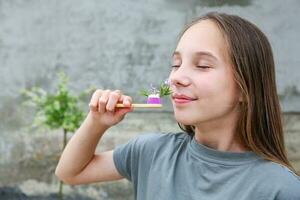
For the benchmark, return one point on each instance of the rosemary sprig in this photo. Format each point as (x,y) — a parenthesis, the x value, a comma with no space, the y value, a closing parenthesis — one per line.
(164,90)
(144,92)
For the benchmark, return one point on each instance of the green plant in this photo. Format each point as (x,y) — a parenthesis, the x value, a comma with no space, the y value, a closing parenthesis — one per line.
(59,110)
(164,90)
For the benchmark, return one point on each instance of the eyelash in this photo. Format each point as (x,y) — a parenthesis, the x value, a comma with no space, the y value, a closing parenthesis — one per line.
(201,66)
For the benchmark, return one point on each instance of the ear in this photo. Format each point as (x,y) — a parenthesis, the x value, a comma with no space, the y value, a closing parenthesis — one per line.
(241,98)
(239,95)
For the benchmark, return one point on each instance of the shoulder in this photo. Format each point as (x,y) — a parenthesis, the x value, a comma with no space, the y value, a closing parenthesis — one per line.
(152,141)
(279,172)
(140,152)
(289,182)
(161,137)
(279,178)
(148,144)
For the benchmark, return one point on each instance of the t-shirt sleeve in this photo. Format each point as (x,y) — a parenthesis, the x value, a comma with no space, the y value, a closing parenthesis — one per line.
(133,159)
(125,156)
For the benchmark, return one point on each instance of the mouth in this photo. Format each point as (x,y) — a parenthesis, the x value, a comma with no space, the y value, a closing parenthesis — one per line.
(181,99)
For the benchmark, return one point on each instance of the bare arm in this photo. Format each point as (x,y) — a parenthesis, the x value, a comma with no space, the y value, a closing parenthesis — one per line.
(78,163)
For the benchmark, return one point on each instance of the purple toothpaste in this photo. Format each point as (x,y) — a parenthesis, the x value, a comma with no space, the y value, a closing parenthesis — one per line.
(153,99)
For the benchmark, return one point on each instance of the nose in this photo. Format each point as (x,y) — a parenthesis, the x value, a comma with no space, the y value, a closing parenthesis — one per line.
(179,78)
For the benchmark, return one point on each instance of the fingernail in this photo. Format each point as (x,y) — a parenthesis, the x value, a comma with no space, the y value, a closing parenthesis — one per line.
(126,102)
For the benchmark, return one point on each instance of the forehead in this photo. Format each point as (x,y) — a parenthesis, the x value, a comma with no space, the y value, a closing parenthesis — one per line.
(203,36)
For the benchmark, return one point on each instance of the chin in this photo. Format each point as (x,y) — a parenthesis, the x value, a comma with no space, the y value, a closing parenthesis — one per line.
(184,119)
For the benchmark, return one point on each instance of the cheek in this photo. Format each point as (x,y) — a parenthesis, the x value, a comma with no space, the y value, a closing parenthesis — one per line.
(217,96)
(209,87)
(218,87)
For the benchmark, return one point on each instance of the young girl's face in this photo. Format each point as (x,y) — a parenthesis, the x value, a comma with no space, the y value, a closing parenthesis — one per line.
(201,78)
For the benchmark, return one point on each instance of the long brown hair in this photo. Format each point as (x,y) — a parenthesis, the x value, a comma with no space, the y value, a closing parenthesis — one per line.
(260,124)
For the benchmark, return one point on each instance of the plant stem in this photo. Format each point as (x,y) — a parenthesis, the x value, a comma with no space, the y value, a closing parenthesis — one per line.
(65,138)
(60,192)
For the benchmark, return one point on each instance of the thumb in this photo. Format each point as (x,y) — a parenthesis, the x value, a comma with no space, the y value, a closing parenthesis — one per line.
(120,113)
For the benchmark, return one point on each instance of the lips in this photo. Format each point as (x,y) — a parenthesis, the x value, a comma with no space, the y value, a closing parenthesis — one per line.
(181,98)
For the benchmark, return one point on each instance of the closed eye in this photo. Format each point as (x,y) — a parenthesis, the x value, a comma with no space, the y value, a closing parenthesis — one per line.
(200,66)
(203,67)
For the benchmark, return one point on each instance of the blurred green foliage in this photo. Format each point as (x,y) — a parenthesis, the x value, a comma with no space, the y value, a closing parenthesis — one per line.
(58,110)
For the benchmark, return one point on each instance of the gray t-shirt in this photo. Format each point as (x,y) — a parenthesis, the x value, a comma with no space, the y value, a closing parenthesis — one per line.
(175,166)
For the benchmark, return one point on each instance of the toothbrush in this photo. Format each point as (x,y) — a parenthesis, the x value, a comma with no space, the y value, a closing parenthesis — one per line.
(153,96)
(153,101)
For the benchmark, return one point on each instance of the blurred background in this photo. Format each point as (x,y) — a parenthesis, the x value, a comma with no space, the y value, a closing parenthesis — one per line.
(112,44)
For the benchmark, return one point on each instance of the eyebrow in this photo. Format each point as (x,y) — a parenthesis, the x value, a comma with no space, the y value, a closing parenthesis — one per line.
(199,53)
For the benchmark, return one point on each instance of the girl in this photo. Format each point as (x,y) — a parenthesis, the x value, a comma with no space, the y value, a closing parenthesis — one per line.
(225,100)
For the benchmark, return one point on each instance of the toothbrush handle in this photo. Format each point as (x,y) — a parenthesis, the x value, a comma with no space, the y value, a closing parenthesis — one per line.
(140,105)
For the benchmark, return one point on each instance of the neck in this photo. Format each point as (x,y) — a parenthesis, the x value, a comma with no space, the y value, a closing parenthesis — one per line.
(220,134)
(219,142)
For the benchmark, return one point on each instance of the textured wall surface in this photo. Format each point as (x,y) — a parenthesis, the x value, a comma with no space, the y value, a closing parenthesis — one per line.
(114,44)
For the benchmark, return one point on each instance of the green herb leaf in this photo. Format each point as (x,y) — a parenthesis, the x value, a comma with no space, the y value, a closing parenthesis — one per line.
(58,110)
(144,92)
(164,90)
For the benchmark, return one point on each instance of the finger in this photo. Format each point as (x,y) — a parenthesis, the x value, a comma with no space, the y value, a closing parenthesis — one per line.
(126,100)
(120,113)
(113,100)
(94,100)
(102,101)
(118,91)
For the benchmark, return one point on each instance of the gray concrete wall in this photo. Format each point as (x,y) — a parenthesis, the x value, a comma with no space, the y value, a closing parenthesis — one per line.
(114,44)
